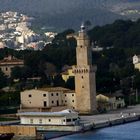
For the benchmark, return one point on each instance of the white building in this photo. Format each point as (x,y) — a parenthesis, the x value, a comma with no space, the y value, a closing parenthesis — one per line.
(136,62)
(46,99)
(110,101)
(65,117)
(2,27)
(50,34)
(2,45)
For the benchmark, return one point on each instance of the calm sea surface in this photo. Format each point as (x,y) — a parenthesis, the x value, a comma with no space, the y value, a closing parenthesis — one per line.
(130,131)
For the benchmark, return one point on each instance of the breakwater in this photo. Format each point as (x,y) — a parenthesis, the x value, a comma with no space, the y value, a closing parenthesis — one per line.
(86,123)
(93,123)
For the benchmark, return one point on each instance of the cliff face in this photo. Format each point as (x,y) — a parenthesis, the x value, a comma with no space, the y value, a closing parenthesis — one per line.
(66,13)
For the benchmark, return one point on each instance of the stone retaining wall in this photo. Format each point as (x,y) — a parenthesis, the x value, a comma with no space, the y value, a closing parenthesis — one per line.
(19,130)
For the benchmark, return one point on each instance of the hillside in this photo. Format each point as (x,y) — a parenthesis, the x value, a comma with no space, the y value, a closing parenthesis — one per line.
(69,13)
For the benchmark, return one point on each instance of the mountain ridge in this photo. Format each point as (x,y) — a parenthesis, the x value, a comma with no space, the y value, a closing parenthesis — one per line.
(65,13)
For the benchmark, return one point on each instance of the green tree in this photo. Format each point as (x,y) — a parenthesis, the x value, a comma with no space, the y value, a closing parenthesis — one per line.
(3,79)
(70,83)
(58,81)
(16,73)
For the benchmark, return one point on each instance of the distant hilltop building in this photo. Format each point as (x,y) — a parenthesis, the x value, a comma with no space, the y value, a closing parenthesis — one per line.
(50,34)
(136,62)
(8,63)
(2,45)
(97,49)
(20,34)
(83,99)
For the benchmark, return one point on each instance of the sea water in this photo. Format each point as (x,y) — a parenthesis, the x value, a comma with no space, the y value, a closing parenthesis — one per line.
(130,131)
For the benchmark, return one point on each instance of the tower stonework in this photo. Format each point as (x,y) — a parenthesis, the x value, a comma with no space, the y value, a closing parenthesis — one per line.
(85,85)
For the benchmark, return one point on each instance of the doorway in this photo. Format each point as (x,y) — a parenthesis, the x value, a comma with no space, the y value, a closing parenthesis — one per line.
(45,104)
(57,103)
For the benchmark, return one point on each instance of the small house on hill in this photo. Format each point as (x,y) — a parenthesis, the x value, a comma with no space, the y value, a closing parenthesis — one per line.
(8,63)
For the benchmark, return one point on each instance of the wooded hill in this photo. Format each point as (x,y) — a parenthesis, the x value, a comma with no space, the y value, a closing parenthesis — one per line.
(120,40)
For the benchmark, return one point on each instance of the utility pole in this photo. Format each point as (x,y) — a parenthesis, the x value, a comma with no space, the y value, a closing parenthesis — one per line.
(136,95)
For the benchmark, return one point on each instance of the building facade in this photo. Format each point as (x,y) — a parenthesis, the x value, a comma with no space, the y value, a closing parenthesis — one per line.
(85,85)
(8,63)
(109,102)
(65,117)
(136,62)
(47,99)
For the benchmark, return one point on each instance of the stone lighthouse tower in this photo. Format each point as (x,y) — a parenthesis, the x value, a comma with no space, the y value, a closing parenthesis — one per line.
(85,85)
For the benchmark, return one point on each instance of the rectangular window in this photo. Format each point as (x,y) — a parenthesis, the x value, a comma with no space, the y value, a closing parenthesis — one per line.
(49,120)
(31,121)
(6,69)
(45,103)
(74,119)
(68,120)
(52,94)
(57,102)
(52,102)
(56,94)
(40,121)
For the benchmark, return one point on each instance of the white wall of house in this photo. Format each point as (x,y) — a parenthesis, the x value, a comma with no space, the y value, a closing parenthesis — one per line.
(70,99)
(55,98)
(43,120)
(56,119)
(116,103)
(43,99)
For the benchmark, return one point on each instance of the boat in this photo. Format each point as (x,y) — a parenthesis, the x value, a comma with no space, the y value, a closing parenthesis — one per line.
(6,136)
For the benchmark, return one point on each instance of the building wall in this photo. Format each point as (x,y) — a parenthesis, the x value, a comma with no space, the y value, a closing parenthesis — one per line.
(8,63)
(19,130)
(7,69)
(120,103)
(55,99)
(137,66)
(49,120)
(70,100)
(34,98)
(110,103)
(116,103)
(43,99)
(43,120)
